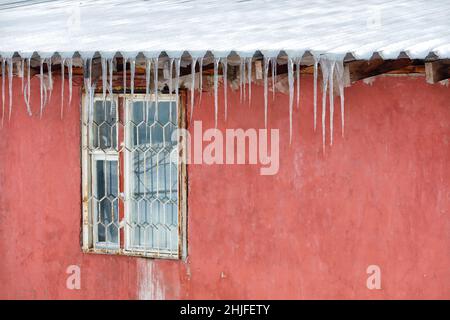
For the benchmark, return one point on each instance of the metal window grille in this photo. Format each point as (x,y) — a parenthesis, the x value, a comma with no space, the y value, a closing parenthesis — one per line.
(134,184)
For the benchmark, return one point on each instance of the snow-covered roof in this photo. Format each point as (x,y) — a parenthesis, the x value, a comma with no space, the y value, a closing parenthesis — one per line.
(389,27)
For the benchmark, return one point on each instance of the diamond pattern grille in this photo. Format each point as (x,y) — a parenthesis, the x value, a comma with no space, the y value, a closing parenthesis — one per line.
(131,150)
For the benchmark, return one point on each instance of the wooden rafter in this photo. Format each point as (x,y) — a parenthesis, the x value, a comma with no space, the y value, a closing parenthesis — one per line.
(355,70)
(438,70)
(361,69)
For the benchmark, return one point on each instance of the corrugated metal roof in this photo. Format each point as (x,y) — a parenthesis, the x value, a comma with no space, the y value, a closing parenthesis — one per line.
(416,27)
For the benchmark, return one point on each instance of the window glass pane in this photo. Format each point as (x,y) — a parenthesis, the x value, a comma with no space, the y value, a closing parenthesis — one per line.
(106,216)
(154,178)
(104,130)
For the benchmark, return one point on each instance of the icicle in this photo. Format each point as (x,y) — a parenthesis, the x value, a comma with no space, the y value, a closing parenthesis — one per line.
(325,67)
(124,75)
(111,90)
(273,63)
(10,84)
(41,88)
(69,66)
(3,90)
(291,94)
(155,70)
(200,66)
(193,63)
(166,70)
(22,71)
(90,72)
(225,84)
(316,61)
(297,66)
(216,102)
(266,71)
(27,94)
(170,86)
(241,78)
(45,94)
(177,78)
(148,66)
(331,93)
(104,79)
(89,89)
(50,78)
(62,87)
(132,72)
(249,75)
(340,78)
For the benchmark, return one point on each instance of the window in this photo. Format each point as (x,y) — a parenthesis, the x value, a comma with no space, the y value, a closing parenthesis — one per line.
(134,184)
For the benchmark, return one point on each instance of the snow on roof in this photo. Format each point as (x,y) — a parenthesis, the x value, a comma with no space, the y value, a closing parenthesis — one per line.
(389,27)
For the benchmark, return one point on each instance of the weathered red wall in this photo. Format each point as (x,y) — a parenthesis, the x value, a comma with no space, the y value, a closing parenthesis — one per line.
(379,196)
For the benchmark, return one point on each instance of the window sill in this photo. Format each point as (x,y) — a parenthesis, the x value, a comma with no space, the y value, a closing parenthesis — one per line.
(133,253)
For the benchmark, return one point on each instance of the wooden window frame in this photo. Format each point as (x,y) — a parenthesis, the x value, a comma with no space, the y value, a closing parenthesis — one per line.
(88,245)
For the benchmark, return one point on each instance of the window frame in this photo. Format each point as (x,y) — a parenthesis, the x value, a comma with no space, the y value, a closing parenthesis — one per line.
(122,154)
(94,157)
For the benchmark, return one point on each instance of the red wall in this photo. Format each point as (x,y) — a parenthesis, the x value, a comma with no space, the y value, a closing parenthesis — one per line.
(378,196)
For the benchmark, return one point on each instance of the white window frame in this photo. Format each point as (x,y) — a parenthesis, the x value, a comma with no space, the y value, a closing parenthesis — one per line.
(88,157)
(95,156)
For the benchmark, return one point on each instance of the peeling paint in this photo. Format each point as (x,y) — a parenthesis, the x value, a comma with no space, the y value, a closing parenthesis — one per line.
(149,285)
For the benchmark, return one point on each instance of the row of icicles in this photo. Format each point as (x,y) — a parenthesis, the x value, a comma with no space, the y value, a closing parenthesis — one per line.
(331,69)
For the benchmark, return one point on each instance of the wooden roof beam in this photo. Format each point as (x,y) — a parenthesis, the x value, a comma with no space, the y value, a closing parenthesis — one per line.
(361,69)
(438,70)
